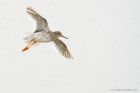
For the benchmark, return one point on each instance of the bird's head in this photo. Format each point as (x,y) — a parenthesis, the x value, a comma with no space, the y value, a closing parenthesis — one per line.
(59,34)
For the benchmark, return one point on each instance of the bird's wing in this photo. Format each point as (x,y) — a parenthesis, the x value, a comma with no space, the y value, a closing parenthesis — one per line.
(41,22)
(63,48)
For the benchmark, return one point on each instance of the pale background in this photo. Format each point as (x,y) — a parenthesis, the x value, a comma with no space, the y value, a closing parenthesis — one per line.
(104,39)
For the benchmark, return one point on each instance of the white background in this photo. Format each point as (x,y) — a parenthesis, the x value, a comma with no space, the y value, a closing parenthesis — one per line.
(104,39)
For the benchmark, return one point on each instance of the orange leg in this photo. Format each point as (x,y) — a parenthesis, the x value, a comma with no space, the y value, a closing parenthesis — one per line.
(32,42)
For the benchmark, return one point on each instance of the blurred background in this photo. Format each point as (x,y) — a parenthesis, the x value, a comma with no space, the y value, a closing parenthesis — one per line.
(103,37)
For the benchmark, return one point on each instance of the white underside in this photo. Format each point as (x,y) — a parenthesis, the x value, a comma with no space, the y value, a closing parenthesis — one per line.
(39,37)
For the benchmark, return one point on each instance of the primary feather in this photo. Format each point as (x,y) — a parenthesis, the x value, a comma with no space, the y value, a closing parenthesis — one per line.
(41,22)
(63,48)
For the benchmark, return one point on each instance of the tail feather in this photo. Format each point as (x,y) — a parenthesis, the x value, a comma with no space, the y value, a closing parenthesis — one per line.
(28,38)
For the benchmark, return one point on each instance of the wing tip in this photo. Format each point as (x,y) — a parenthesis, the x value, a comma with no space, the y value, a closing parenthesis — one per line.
(69,56)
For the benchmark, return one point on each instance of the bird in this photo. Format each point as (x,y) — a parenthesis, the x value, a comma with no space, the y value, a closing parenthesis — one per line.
(43,34)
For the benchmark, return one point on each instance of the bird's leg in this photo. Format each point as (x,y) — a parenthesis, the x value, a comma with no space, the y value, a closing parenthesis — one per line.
(32,42)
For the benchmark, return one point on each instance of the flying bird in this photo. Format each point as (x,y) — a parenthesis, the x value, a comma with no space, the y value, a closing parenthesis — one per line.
(44,34)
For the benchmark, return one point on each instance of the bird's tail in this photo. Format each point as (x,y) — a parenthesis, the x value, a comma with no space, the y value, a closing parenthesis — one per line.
(28,38)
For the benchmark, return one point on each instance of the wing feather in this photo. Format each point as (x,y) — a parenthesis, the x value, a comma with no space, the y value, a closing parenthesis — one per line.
(62,48)
(41,22)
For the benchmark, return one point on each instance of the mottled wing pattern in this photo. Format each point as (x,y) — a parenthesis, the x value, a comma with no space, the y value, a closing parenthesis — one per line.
(41,22)
(63,48)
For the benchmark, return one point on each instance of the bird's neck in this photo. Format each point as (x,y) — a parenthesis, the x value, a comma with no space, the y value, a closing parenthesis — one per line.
(53,35)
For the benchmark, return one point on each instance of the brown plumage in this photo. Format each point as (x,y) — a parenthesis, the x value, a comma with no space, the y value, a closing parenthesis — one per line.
(44,34)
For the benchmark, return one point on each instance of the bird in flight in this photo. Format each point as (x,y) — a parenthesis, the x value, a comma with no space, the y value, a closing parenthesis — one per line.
(44,34)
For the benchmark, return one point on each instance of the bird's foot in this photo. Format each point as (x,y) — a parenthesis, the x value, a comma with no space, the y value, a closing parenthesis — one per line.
(26,48)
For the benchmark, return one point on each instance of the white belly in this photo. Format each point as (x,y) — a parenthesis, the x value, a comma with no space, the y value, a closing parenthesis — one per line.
(42,37)
(39,37)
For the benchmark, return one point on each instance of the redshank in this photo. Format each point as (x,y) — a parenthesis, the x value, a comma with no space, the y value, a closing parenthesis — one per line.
(44,34)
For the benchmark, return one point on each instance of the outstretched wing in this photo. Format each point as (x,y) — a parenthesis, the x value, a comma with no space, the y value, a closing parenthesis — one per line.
(63,48)
(41,22)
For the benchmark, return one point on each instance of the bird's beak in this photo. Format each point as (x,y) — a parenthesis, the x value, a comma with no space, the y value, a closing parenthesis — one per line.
(64,37)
